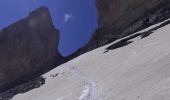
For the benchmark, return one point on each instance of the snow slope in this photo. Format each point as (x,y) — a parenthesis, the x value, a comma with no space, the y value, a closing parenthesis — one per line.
(137,71)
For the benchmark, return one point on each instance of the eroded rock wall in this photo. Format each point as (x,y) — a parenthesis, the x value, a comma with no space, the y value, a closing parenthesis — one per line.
(28,47)
(116,16)
(119,18)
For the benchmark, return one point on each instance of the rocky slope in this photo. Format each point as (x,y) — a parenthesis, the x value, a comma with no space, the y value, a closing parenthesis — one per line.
(119,18)
(27,48)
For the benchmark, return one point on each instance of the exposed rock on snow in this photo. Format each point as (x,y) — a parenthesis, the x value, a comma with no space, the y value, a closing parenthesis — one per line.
(32,84)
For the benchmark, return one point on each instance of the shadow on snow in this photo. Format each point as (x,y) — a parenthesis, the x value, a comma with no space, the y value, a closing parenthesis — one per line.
(126,41)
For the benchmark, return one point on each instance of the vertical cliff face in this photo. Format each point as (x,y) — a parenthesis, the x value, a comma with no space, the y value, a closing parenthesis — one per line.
(119,18)
(115,16)
(119,14)
(27,47)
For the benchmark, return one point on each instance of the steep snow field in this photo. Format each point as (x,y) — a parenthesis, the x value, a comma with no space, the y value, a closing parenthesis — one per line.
(137,71)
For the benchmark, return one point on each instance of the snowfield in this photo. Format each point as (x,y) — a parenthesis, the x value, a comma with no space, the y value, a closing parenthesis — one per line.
(138,71)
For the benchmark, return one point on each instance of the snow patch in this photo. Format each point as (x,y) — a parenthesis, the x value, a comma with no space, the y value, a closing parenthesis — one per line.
(89,91)
(90,88)
(86,92)
(60,98)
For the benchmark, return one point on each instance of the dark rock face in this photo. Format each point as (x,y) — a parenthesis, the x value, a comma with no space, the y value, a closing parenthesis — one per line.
(116,16)
(27,48)
(23,88)
(119,18)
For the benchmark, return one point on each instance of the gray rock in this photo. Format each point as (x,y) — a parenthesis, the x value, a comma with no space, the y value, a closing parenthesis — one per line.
(27,48)
(119,18)
(120,14)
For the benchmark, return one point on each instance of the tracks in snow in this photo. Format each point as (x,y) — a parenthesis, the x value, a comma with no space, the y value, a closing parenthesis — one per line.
(90,87)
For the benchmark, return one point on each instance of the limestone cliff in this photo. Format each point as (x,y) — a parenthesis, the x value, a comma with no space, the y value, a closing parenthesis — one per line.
(28,47)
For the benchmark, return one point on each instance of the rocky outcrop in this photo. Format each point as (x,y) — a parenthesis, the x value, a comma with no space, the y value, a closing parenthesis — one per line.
(115,17)
(119,18)
(27,48)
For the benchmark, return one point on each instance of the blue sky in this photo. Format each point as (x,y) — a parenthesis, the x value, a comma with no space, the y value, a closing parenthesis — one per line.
(76,19)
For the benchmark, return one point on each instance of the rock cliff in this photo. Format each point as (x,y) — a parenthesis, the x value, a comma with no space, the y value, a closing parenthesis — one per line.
(27,48)
(119,18)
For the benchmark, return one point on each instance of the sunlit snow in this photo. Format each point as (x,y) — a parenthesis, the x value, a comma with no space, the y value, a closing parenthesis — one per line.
(137,71)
